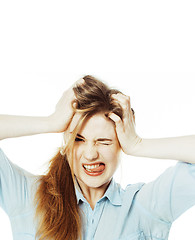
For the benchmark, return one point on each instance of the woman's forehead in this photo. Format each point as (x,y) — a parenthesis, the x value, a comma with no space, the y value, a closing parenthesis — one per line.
(98,126)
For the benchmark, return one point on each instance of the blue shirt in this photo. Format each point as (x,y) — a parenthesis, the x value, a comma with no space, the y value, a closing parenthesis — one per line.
(138,212)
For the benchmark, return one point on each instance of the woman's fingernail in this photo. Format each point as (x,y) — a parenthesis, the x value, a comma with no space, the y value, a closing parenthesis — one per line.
(74,104)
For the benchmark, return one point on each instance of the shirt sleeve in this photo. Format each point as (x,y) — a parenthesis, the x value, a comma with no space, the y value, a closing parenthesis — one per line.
(171,194)
(14,186)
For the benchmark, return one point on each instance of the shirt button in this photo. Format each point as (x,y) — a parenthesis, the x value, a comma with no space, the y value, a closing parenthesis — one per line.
(92,220)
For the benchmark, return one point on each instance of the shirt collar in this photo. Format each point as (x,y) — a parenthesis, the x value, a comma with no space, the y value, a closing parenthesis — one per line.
(113,193)
(78,192)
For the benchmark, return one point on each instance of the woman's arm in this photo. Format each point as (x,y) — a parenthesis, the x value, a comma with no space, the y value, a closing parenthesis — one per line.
(16,126)
(176,148)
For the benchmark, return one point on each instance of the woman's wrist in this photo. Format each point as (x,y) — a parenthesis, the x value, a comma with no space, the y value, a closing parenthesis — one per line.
(55,124)
(135,146)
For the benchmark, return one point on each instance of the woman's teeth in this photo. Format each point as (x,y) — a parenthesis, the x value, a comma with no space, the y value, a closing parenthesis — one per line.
(90,167)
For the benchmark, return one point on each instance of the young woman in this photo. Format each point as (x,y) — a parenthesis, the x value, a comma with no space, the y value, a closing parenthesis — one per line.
(78,197)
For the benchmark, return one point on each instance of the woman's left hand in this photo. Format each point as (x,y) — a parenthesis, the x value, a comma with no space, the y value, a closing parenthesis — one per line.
(125,128)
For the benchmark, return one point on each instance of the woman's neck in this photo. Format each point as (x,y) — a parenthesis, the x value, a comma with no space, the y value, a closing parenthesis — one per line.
(92,195)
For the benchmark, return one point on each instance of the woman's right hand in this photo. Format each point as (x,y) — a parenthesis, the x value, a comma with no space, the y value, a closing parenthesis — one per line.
(64,111)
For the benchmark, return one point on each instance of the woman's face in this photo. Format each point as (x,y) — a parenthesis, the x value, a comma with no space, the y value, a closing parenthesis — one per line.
(96,152)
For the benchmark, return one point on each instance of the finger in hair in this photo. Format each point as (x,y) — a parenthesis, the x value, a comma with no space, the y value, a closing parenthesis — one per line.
(115,118)
(123,99)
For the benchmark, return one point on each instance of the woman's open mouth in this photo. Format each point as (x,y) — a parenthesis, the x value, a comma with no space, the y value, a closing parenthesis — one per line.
(94,169)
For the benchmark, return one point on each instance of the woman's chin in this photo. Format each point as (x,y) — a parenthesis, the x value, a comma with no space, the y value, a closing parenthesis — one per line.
(93,182)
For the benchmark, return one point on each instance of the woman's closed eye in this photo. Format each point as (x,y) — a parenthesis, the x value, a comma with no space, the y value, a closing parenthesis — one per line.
(105,142)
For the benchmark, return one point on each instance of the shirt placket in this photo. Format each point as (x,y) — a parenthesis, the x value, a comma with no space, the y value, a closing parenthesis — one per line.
(93,219)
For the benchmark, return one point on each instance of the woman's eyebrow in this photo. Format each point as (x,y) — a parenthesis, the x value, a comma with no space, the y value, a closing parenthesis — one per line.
(104,139)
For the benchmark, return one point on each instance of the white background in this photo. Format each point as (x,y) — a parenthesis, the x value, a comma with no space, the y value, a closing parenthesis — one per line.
(144,48)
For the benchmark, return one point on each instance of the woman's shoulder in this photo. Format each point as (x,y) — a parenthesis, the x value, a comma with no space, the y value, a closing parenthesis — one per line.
(126,194)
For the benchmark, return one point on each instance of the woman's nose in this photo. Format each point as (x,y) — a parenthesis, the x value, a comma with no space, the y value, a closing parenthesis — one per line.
(90,152)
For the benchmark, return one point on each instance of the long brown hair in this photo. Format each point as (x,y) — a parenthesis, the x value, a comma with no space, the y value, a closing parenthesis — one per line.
(57,210)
